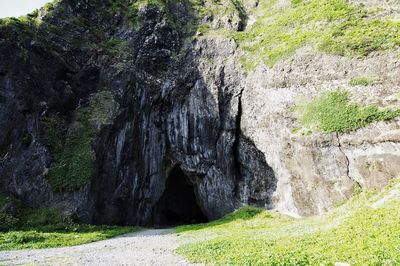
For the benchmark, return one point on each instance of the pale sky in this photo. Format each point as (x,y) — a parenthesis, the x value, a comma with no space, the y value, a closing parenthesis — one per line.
(16,8)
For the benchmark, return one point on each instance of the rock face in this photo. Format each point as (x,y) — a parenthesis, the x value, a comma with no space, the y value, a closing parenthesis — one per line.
(169,117)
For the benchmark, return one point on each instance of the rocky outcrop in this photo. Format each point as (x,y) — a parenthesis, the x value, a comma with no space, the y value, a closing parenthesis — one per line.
(115,101)
(317,171)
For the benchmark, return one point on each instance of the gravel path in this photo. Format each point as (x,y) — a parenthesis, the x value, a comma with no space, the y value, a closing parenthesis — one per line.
(150,247)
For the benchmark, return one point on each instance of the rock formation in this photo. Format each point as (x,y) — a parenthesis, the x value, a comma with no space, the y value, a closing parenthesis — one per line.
(113,113)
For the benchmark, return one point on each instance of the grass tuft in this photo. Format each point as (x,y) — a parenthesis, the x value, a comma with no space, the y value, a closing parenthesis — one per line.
(363,81)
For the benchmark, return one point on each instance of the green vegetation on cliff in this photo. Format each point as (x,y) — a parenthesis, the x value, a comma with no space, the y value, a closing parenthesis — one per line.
(364,231)
(331,26)
(72,152)
(73,158)
(333,112)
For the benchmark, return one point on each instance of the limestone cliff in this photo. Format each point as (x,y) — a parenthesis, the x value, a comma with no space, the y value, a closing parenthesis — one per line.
(158,113)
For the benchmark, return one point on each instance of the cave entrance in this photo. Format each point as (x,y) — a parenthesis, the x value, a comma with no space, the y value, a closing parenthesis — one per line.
(178,204)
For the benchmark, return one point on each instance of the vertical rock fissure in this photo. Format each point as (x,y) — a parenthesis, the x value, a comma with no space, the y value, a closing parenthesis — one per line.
(347,160)
(236,144)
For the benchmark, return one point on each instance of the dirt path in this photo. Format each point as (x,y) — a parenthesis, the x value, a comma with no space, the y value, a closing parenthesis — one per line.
(150,247)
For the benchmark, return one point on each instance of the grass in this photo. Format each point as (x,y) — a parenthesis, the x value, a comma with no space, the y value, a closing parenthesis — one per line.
(331,26)
(70,236)
(47,228)
(363,81)
(333,112)
(355,233)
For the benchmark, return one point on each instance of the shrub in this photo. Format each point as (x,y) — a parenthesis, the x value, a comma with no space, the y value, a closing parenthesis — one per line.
(43,217)
(7,221)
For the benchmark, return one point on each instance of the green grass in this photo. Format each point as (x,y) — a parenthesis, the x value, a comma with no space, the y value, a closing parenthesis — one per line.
(354,233)
(358,38)
(363,81)
(70,236)
(47,228)
(333,112)
(331,26)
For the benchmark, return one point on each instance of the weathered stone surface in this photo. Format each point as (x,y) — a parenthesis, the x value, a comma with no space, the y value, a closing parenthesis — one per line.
(317,171)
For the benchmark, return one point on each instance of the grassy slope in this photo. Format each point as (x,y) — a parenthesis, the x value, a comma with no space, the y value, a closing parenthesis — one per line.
(354,233)
(330,26)
(50,238)
(47,228)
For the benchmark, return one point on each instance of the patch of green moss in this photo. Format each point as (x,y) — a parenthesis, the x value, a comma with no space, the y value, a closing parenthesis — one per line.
(54,132)
(333,112)
(70,145)
(73,159)
(27,139)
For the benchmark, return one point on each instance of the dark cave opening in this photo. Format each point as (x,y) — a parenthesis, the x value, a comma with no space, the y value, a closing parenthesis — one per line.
(178,204)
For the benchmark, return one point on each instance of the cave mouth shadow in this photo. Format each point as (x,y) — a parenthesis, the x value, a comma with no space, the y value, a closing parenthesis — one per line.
(178,204)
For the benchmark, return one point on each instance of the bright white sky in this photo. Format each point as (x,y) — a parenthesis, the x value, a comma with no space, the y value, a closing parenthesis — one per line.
(16,8)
